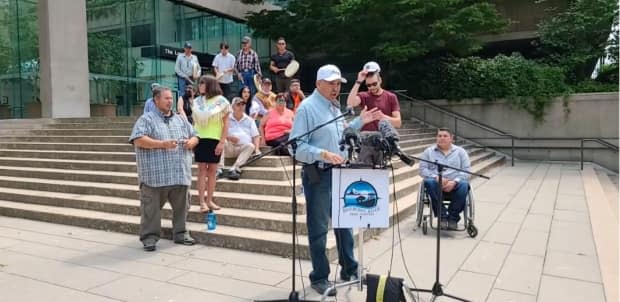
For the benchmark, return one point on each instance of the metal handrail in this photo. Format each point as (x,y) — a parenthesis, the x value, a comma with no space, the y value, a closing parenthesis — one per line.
(456,117)
(504,135)
(453,114)
(599,141)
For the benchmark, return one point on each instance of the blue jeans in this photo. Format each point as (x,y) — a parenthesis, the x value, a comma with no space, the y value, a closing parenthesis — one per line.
(457,200)
(182,82)
(248,80)
(318,213)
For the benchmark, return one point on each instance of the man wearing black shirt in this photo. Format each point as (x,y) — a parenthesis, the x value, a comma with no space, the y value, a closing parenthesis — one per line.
(279,62)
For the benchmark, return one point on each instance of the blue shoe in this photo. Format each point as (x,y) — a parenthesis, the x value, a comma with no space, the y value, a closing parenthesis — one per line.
(322,286)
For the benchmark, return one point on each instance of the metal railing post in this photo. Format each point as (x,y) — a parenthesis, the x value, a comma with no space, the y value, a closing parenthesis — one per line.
(455,130)
(512,151)
(581,158)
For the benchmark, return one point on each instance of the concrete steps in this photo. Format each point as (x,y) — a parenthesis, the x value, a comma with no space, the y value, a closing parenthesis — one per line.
(82,172)
(604,223)
(610,189)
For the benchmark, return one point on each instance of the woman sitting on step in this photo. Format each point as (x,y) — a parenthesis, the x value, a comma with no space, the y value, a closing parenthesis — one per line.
(276,125)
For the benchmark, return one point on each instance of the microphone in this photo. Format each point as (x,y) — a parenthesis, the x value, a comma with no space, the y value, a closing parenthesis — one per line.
(351,138)
(349,111)
(390,134)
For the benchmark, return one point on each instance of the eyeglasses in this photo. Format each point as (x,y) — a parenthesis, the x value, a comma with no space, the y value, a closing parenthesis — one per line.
(281,43)
(372,84)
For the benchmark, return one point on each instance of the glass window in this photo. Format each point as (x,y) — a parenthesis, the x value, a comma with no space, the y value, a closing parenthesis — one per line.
(19,59)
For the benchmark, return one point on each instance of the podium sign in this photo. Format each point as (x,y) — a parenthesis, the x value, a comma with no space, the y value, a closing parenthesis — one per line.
(360,198)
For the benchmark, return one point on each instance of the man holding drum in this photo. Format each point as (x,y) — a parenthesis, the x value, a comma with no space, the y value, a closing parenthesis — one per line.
(279,62)
(186,67)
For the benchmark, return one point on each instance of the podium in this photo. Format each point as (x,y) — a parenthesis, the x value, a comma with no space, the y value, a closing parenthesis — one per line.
(360,200)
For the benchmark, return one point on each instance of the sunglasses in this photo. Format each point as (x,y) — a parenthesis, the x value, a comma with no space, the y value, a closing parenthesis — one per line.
(280,43)
(241,104)
(372,84)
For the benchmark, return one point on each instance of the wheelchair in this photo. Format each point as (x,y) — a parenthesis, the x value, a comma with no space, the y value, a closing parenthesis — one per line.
(426,216)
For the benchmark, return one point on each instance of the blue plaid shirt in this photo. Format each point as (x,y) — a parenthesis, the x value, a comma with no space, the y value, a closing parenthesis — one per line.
(163,167)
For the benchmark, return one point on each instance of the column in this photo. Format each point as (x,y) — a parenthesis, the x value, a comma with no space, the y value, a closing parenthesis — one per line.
(63,51)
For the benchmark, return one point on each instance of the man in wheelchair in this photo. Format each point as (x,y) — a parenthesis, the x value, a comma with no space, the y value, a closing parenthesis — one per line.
(454,183)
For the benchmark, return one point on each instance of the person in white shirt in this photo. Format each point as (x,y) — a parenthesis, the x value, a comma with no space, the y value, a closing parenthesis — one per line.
(243,139)
(224,66)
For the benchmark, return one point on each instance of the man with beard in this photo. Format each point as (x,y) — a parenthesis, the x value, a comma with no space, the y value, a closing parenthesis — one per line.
(375,97)
(163,142)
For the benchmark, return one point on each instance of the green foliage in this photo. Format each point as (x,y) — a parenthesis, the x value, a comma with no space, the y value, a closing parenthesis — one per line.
(608,74)
(105,53)
(576,38)
(594,86)
(526,84)
(395,31)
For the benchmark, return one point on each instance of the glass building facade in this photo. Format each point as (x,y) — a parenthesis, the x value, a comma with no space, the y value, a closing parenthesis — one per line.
(131,44)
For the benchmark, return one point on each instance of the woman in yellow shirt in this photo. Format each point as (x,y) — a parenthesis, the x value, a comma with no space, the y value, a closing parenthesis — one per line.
(210,111)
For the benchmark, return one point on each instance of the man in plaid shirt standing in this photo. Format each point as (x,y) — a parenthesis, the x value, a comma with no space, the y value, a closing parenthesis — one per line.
(163,141)
(247,64)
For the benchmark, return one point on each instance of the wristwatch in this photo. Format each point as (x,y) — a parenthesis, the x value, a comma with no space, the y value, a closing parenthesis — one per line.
(358,82)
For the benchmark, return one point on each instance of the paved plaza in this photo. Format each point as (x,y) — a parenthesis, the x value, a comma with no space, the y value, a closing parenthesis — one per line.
(536,242)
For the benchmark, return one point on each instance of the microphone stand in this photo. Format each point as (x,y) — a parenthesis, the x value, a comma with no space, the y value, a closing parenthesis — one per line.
(294,295)
(437,289)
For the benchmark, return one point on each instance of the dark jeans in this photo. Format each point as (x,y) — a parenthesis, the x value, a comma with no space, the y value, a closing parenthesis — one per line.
(282,83)
(182,82)
(318,213)
(226,91)
(457,201)
(248,80)
(277,142)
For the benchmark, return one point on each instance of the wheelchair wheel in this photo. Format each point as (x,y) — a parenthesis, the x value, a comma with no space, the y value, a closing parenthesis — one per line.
(425,227)
(420,208)
(472,231)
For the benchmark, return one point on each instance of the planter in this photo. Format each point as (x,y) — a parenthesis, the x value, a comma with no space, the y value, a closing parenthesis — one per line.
(107,110)
(137,109)
(5,111)
(33,110)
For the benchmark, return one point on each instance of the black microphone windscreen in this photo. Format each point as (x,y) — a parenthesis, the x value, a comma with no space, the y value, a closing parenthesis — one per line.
(387,130)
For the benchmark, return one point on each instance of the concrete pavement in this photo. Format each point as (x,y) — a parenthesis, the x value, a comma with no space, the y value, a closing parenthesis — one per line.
(535,243)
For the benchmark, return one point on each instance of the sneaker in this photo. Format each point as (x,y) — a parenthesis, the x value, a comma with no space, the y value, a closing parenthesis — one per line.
(149,245)
(219,174)
(186,240)
(322,286)
(234,175)
(348,278)
(452,225)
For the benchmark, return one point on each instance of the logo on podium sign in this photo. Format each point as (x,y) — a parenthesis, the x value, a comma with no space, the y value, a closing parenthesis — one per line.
(360,198)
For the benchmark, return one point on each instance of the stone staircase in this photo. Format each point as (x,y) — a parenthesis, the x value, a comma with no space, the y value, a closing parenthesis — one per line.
(82,172)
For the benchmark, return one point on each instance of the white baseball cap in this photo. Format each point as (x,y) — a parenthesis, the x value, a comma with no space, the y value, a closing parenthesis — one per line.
(372,66)
(329,73)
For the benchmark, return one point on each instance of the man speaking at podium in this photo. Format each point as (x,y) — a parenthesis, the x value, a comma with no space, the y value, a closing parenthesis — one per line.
(318,151)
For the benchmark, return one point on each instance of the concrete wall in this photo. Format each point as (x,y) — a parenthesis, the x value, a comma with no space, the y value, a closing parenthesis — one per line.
(590,115)
(64,59)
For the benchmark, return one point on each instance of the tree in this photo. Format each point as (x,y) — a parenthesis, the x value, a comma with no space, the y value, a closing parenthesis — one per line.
(576,38)
(385,30)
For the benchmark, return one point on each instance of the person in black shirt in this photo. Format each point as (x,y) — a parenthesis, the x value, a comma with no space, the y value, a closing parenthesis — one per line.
(279,62)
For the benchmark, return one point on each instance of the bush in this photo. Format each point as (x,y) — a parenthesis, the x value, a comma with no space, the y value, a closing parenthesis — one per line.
(594,86)
(527,84)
